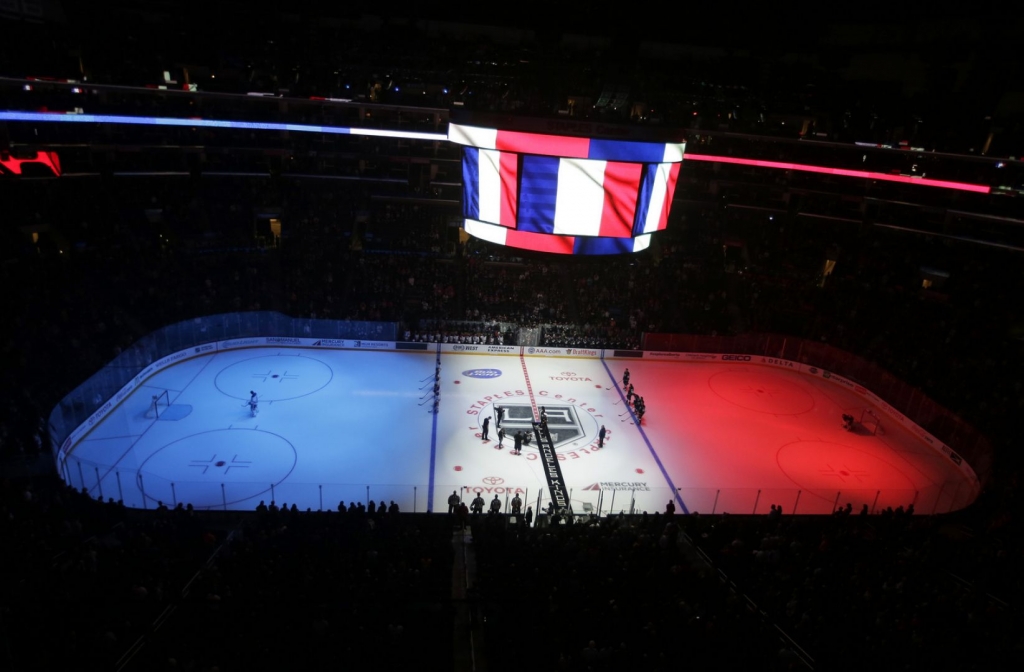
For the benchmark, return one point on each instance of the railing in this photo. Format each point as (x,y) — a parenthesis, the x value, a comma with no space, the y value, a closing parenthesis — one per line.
(138,488)
(76,408)
(969,443)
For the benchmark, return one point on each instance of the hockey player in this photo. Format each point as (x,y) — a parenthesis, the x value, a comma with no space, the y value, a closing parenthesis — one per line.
(254,402)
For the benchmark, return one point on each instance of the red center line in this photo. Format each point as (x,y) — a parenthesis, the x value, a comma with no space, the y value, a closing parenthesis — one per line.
(529,388)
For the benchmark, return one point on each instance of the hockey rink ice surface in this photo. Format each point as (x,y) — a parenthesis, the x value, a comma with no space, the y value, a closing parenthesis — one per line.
(344,425)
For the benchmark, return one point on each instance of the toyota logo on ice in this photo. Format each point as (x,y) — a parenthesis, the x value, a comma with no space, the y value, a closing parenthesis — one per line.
(493,480)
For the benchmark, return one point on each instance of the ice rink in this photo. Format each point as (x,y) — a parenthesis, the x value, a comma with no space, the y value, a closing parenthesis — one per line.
(349,425)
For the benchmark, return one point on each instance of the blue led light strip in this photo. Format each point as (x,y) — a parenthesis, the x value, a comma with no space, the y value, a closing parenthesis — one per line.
(212,123)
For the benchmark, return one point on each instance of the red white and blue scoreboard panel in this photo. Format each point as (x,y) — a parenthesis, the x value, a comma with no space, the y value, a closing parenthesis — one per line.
(566,195)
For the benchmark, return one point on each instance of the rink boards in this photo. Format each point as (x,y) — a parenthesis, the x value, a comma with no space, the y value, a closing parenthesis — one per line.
(339,423)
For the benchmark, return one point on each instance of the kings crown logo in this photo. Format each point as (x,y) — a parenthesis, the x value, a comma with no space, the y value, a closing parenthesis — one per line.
(563,422)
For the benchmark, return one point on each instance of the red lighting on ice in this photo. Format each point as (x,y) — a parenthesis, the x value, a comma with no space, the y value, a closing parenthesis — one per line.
(866,174)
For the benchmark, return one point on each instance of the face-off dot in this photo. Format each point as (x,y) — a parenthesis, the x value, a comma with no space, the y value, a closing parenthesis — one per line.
(458,468)
(274,377)
(247,461)
(858,472)
(762,392)
(639,471)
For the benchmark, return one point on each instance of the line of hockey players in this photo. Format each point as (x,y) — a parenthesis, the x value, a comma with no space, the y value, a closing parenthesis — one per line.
(434,394)
(635,401)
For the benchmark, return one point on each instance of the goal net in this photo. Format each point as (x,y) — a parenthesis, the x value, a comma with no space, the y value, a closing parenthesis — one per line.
(870,422)
(158,404)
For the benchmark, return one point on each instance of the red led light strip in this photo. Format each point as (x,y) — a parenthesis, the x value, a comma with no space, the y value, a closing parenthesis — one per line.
(865,174)
(48,159)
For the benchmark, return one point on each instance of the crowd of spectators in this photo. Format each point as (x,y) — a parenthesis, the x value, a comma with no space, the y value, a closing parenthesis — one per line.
(848,589)
(572,67)
(91,584)
(626,593)
(83,579)
(100,279)
(306,588)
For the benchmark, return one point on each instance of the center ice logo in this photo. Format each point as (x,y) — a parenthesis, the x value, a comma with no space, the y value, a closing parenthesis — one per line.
(563,422)
(482,373)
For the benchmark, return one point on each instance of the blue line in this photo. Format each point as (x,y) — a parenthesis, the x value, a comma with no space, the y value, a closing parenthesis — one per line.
(433,452)
(654,453)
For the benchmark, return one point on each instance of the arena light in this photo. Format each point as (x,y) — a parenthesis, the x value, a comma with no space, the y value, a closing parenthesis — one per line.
(59,117)
(865,174)
(14,165)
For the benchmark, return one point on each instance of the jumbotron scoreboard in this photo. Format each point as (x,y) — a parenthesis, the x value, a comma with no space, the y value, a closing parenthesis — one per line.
(565,194)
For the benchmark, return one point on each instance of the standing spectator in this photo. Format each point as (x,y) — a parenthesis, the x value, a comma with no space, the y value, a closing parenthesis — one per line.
(453,502)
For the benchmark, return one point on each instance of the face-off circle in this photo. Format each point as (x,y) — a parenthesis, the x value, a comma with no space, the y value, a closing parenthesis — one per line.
(245,461)
(762,391)
(274,377)
(849,469)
